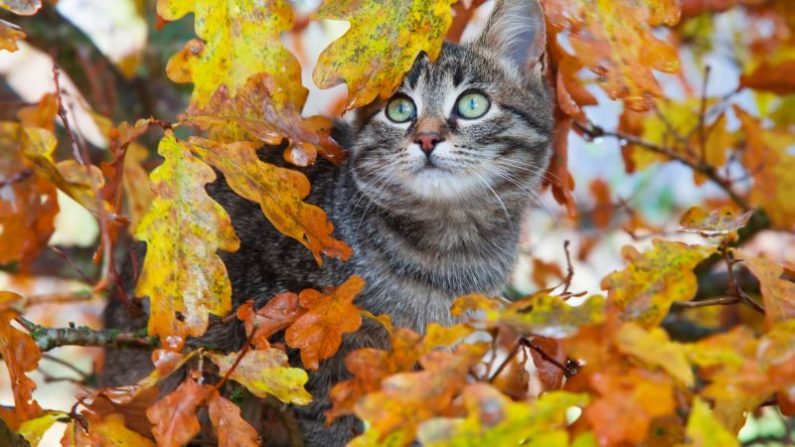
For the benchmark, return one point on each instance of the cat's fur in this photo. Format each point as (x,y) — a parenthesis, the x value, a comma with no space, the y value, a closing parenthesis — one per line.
(421,236)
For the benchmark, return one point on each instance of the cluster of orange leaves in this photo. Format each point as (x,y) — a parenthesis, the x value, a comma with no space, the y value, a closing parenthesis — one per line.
(629,380)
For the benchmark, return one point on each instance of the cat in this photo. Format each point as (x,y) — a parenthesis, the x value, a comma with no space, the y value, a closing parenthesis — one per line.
(430,198)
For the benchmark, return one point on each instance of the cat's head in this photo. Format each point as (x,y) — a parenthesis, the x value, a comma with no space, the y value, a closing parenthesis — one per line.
(476,122)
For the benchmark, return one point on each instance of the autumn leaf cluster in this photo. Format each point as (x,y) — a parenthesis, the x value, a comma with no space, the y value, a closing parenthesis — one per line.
(622,365)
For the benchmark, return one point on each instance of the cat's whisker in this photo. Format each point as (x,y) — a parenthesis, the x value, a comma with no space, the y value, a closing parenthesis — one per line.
(499,200)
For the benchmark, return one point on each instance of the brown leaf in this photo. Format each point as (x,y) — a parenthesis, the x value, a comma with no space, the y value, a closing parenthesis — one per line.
(276,315)
(174,416)
(231,429)
(778,294)
(21,355)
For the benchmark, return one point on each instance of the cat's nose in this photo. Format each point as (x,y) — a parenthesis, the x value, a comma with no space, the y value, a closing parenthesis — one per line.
(428,140)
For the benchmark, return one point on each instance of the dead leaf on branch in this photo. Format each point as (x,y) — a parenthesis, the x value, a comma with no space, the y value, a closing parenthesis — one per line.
(266,373)
(174,416)
(720,222)
(615,41)
(778,294)
(21,355)
(182,274)
(318,333)
(372,57)
(652,281)
(280,193)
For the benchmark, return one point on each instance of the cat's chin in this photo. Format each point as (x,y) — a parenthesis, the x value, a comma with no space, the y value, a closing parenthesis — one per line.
(440,184)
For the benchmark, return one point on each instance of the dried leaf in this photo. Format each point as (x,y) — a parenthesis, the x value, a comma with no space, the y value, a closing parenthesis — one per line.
(372,57)
(768,159)
(703,430)
(231,429)
(266,373)
(239,39)
(318,332)
(778,294)
(34,429)
(615,40)
(493,419)
(276,315)
(182,274)
(9,35)
(645,289)
(654,348)
(174,416)
(280,193)
(104,431)
(775,77)
(21,355)
(28,203)
(719,222)
(549,316)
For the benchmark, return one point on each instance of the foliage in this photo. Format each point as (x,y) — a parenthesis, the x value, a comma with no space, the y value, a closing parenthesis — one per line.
(552,368)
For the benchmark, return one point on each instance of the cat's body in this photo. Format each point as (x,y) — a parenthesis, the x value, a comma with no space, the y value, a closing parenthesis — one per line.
(431,206)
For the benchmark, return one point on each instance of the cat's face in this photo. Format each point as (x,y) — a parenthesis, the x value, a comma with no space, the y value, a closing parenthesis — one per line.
(476,122)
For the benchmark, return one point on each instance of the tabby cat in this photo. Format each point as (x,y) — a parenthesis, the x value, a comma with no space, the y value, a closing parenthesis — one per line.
(430,199)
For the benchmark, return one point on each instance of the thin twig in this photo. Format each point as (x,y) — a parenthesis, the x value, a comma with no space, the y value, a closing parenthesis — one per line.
(708,171)
(567,371)
(569,268)
(511,354)
(702,135)
(63,362)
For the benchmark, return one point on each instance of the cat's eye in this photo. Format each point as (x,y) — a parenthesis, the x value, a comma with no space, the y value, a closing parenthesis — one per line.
(401,109)
(472,105)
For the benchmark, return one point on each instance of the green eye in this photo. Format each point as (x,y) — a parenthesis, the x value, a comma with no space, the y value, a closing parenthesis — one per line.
(400,109)
(472,105)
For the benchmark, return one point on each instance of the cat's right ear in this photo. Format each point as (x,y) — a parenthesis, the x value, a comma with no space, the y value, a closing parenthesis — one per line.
(516,31)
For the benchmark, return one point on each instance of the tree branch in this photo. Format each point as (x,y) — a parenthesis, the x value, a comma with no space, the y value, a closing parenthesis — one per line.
(51,338)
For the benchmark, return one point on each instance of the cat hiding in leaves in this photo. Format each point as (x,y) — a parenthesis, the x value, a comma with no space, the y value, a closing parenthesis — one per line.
(430,198)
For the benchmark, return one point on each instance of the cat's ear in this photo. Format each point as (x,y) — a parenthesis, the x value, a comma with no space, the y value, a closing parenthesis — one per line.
(517,32)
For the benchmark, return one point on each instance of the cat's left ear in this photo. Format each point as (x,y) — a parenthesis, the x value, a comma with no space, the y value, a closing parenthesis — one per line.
(516,30)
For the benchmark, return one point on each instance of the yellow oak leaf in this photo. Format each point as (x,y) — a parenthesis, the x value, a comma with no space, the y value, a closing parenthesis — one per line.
(494,419)
(645,289)
(381,45)
(266,373)
(768,158)
(182,274)
(549,316)
(704,430)
(239,39)
(654,348)
(34,429)
(720,222)
(279,192)
(108,430)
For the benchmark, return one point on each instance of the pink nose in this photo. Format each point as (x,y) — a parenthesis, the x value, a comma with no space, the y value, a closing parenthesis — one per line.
(428,140)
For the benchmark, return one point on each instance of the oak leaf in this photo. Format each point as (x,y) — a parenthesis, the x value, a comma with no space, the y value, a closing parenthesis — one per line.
(182,274)
(34,429)
(408,399)
(615,40)
(768,159)
(720,222)
(174,416)
(769,76)
(21,7)
(549,316)
(239,39)
(654,348)
(318,333)
(279,192)
(231,429)
(645,289)
(28,206)
(372,57)
(21,355)
(778,294)
(493,419)
(704,430)
(276,315)
(103,431)
(266,373)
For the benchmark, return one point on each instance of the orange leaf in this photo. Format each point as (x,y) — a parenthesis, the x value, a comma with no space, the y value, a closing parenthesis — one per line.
(9,35)
(603,206)
(771,77)
(276,315)
(318,332)
(21,354)
(768,158)
(28,203)
(231,429)
(778,294)
(103,431)
(280,193)
(718,222)
(174,416)
(615,40)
